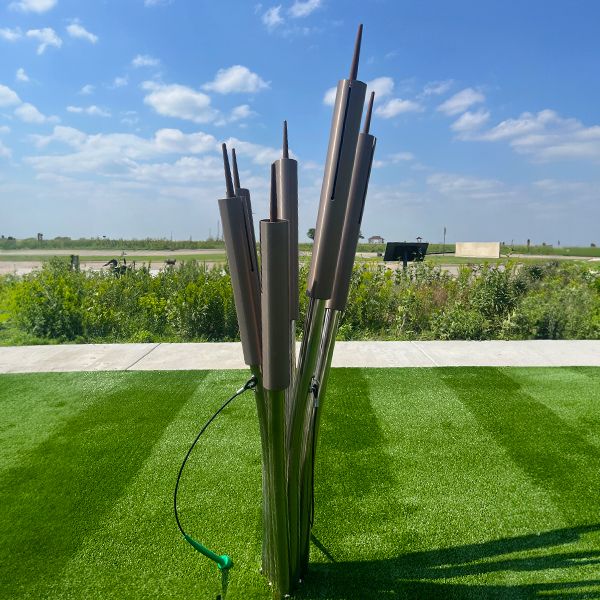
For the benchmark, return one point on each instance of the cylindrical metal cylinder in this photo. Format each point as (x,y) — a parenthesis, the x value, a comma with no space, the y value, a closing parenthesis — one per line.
(243,280)
(274,242)
(244,194)
(287,208)
(354,212)
(345,125)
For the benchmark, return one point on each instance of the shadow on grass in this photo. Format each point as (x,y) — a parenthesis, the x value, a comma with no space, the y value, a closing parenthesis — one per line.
(58,494)
(418,574)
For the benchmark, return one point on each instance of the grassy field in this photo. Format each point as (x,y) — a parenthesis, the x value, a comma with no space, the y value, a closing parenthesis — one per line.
(155,259)
(431,483)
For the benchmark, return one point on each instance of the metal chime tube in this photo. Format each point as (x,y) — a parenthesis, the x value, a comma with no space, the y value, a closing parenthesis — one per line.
(286,171)
(339,165)
(274,243)
(243,272)
(337,303)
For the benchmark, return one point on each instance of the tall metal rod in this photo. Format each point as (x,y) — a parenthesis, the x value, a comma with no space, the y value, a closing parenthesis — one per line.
(306,365)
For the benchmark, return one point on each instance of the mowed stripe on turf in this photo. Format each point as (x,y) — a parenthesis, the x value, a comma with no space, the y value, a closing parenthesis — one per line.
(137,550)
(56,494)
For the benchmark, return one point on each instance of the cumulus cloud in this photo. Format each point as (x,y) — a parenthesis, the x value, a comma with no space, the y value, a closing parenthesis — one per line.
(46,36)
(382,86)
(76,30)
(11,35)
(546,137)
(260,155)
(437,88)
(304,8)
(394,159)
(30,114)
(461,101)
(36,6)
(8,97)
(272,17)
(236,79)
(470,121)
(115,153)
(329,96)
(179,101)
(144,60)
(87,89)
(93,110)
(397,106)
(21,75)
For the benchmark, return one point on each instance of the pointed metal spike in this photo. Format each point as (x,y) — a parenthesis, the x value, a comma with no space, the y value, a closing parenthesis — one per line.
(355,58)
(273,199)
(236,174)
(228,182)
(369,113)
(286,153)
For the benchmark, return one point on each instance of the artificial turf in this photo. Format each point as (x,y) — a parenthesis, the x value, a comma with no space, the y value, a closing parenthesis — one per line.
(430,483)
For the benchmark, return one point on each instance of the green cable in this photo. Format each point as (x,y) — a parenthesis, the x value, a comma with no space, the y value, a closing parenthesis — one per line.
(223,561)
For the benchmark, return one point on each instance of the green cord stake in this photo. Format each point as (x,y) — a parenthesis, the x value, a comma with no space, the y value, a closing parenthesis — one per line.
(223,561)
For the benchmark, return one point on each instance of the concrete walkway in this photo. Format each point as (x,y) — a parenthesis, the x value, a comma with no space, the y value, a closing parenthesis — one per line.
(150,357)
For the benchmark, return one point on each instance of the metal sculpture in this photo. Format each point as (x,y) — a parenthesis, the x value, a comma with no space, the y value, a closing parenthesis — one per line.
(289,392)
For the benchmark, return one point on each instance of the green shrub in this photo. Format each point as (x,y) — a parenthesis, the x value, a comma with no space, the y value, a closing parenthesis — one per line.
(194,303)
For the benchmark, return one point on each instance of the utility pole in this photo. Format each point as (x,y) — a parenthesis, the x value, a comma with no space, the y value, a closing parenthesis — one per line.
(444,244)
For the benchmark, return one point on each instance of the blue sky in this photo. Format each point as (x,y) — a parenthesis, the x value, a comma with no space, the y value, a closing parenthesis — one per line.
(487,113)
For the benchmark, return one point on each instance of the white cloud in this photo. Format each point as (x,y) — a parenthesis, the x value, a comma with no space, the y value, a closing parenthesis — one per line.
(329,96)
(120,82)
(463,186)
(239,113)
(470,121)
(272,17)
(461,101)
(36,6)
(394,159)
(93,110)
(30,114)
(77,30)
(87,89)
(382,86)
(46,36)
(437,88)
(546,137)
(157,2)
(21,75)
(116,153)
(129,117)
(5,151)
(236,79)
(397,106)
(11,35)
(4,129)
(175,141)
(144,60)
(8,97)
(260,155)
(179,101)
(304,8)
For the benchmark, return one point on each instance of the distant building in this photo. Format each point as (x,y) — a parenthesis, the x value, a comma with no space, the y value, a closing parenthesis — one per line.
(376,239)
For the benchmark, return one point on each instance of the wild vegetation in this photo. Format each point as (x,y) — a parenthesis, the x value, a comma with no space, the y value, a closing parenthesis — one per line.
(193,302)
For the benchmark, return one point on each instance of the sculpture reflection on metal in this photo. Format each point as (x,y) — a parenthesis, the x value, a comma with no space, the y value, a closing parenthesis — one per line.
(290,392)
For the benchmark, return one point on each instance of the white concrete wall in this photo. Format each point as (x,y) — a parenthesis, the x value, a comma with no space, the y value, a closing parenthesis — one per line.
(478,249)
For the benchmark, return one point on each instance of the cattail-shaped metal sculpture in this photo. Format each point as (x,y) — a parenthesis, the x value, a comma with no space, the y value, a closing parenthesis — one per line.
(289,393)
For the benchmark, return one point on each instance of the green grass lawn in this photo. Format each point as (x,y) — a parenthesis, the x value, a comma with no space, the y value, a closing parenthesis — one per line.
(431,483)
